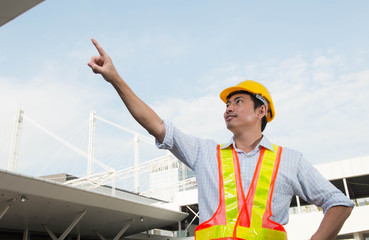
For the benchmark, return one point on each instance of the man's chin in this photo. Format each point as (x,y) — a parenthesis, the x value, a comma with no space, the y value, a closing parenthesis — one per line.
(229,126)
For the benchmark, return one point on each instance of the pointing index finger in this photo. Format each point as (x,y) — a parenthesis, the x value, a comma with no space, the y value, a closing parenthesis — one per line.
(98,47)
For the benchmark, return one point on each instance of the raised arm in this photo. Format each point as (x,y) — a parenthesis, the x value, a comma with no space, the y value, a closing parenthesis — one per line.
(143,114)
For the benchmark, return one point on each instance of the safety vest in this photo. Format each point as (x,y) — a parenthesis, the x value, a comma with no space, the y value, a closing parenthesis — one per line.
(238,217)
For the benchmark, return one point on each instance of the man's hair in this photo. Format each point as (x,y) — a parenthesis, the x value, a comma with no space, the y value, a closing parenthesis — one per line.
(257,103)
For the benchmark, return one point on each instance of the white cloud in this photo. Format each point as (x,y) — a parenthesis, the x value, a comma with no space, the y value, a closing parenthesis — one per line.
(324,118)
(324,61)
(291,70)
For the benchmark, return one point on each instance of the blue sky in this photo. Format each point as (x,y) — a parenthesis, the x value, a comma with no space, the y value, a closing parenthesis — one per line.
(177,56)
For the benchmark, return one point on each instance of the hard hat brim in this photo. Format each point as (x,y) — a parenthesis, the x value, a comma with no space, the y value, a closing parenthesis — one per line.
(226,92)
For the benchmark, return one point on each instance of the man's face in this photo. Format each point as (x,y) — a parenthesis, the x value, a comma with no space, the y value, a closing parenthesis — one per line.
(240,114)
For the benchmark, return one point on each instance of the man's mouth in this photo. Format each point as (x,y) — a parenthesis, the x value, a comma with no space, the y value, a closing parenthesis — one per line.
(230,117)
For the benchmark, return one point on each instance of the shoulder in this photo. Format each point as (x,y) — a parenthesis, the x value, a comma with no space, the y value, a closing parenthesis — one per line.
(289,154)
(292,163)
(191,150)
(290,158)
(175,137)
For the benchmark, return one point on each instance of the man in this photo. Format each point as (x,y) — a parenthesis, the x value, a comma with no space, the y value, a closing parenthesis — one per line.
(245,186)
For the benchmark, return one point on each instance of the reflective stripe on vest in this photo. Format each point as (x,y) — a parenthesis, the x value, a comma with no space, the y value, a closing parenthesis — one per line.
(240,217)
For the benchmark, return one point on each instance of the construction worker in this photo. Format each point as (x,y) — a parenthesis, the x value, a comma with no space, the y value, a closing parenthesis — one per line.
(246,185)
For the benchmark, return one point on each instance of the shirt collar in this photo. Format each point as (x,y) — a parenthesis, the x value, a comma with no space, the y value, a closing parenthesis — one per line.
(264,142)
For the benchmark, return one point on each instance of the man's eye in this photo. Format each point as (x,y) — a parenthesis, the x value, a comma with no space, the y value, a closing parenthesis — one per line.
(238,101)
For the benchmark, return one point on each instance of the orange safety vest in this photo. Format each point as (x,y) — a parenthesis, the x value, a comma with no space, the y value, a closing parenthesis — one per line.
(238,217)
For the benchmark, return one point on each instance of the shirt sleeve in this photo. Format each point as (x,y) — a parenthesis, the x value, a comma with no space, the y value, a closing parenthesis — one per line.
(188,149)
(317,190)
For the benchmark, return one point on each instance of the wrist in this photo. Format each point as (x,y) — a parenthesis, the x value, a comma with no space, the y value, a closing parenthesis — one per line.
(113,77)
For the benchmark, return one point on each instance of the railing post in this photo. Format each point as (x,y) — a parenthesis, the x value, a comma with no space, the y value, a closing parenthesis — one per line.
(298,204)
(346,188)
(91,143)
(136,142)
(13,157)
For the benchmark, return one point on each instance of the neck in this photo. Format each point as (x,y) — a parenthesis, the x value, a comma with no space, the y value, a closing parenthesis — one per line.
(247,141)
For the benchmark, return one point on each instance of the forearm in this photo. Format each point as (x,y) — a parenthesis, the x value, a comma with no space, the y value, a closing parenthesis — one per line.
(140,111)
(332,223)
(143,114)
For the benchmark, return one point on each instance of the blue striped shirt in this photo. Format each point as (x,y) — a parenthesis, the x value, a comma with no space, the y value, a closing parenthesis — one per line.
(296,176)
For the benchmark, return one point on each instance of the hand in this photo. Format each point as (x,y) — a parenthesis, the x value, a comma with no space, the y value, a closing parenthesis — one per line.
(103,64)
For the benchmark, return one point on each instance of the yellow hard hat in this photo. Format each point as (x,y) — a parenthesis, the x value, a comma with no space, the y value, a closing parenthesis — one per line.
(252,87)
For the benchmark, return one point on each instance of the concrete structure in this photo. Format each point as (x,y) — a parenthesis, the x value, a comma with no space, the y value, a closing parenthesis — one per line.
(40,207)
(12,9)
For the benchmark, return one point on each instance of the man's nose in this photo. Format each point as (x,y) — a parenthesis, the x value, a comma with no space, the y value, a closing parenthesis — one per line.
(229,108)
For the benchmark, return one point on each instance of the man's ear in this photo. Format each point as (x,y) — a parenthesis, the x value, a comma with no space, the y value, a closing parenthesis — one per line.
(262,111)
